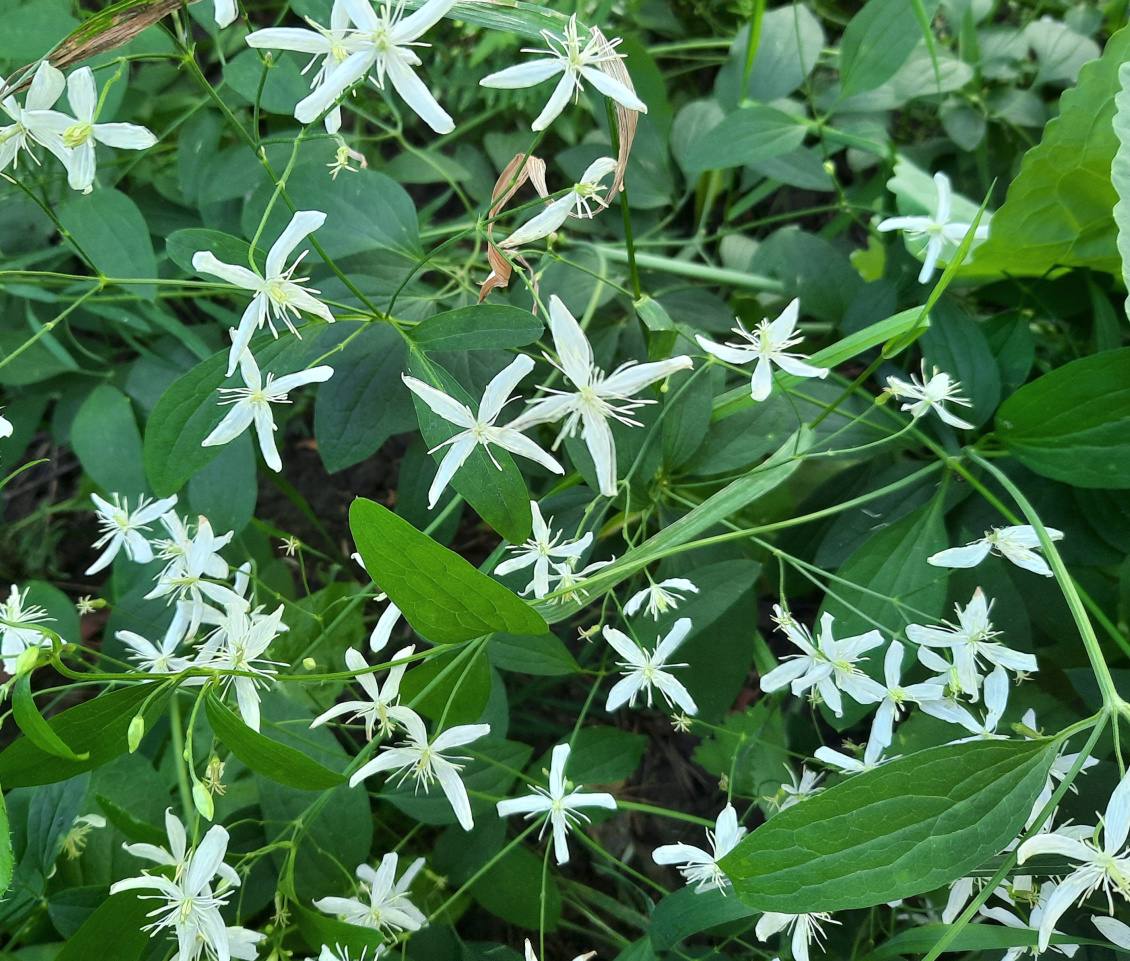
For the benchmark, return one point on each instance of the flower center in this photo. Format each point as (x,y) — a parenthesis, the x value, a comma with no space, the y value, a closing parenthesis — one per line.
(77,134)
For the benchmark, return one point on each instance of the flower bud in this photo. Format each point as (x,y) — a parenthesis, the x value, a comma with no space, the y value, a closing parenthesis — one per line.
(135,733)
(309,663)
(27,660)
(203,801)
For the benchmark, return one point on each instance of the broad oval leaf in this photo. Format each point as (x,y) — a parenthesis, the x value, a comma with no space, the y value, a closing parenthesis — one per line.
(319,929)
(31,722)
(182,245)
(443,597)
(277,761)
(111,231)
(907,827)
(746,136)
(686,911)
(478,327)
(1073,423)
(879,39)
(106,439)
(114,932)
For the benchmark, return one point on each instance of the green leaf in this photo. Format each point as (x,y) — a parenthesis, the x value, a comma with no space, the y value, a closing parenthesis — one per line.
(282,87)
(749,749)
(604,755)
(905,828)
(1120,173)
(265,756)
(132,827)
(458,694)
(499,496)
(477,327)
(112,933)
(685,912)
(539,654)
(745,136)
(365,402)
(226,489)
(112,232)
(956,344)
(182,244)
(443,597)
(190,410)
(31,722)
(973,937)
(1073,423)
(106,439)
(512,890)
(877,41)
(96,727)
(1059,209)
(7,859)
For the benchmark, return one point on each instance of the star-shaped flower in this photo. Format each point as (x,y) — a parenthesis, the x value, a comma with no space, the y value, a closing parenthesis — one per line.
(850,764)
(895,695)
(1017,544)
(700,867)
(598,398)
(660,597)
(33,120)
(931,393)
(575,201)
(480,428)
(560,807)
(154,659)
(121,528)
(644,671)
(14,637)
(251,404)
(375,711)
(426,761)
(389,909)
(278,294)
(805,929)
(565,55)
(383,43)
(939,231)
(540,551)
(769,344)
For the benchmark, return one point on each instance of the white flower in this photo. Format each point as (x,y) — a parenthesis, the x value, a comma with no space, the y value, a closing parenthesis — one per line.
(425,760)
(996,701)
(278,294)
(479,429)
(15,638)
(798,789)
(381,697)
(1059,769)
(1035,921)
(191,908)
(568,579)
(32,120)
(700,867)
(578,199)
(5,426)
(565,55)
(238,644)
(846,763)
(1113,930)
(80,133)
(177,854)
(1017,544)
(389,909)
(768,345)
(939,230)
(225,12)
(971,641)
(930,394)
(333,44)
(163,659)
(539,551)
(645,671)
(75,840)
(830,668)
(805,928)
(383,42)
(1107,867)
(660,597)
(597,394)
(895,695)
(561,807)
(252,404)
(122,528)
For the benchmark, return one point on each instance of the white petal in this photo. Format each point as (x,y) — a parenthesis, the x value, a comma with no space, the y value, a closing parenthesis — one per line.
(124,136)
(289,38)
(82,93)
(416,24)
(205,262)
(565,87)
(301,224)
(416,93)
(602,447)
(265,429)
(543,224)
(613,88)
(300,378)
(226,12)
(969,556)
(456,793)
(451,463)
(630,380)
(238,419)
(572,345)
(524,74)
(501,386)
(447,407)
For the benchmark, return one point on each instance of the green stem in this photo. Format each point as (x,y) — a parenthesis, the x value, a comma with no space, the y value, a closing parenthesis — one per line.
(176,727)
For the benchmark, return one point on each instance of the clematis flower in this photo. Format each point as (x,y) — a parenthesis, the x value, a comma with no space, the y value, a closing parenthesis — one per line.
(375,711)
(1106,868)
(797,789)
(598,397)
(156,659)
(278,294)
(560,807)
(1035,920)
(568,579)
(939,231)
(176,855)
(15,638)
(645,671)
(660,597)
(895,695)
(565,55)
(829,667)
(32,120)
(333,44)
(931,393)
(768,345)
(996,701)
(383,43)
(806,928)
(540,550)
(479,429)
(971,641)
(80,133)
(122,528)
(252,404)
(1017,544)
(700,867)
(1059,769)
(390,909)
(425,760)
(575,201)
(847,763)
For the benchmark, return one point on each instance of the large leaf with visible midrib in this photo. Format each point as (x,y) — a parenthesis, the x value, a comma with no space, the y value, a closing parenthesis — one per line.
(444,598)
(902,829)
